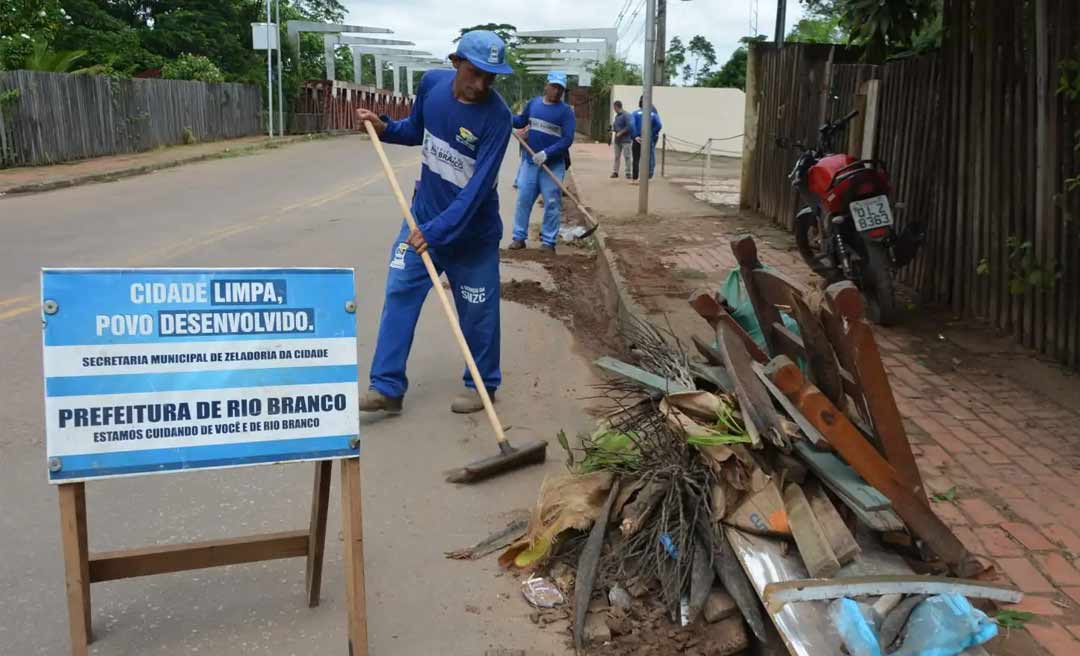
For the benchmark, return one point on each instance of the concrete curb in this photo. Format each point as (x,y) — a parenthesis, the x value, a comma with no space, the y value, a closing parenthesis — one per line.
(131,172)
(618,300)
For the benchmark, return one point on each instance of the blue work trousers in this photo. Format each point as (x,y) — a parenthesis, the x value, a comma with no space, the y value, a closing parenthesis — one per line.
(474,282)
(532,181)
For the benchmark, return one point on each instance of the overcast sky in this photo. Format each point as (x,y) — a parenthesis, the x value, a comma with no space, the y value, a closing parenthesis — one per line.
(433,24)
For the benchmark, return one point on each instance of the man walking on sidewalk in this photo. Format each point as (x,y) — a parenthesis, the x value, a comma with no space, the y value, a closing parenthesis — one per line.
(635,129)
(623,139)
(551,132)
(463,126)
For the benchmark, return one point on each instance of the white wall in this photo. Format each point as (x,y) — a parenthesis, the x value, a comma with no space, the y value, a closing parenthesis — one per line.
(694,114)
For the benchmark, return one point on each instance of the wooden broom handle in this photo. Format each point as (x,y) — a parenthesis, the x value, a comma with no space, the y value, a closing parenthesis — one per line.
(559,182)
(489,409)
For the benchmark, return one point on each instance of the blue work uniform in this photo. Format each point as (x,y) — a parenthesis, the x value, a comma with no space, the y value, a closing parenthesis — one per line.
(635,130)
(456,206)
(551,129)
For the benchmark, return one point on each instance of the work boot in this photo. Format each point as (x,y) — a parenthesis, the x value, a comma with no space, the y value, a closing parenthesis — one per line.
(373,401)
(548,248)
(469,401)
(516,245)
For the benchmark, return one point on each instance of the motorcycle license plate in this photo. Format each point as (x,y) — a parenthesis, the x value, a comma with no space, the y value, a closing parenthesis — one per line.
(871,213)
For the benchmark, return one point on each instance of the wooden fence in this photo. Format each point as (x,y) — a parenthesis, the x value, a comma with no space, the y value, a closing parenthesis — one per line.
(58,117)
(326,105)
(978,144)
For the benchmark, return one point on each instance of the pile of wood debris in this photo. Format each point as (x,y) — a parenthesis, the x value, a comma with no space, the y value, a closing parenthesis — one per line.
(766,493)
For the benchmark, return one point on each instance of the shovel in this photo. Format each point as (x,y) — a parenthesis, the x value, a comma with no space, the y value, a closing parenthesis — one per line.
(508,457)
(577,232)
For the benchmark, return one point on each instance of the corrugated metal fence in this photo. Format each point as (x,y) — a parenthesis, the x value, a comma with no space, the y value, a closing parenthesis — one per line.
(979,146)
(59,117)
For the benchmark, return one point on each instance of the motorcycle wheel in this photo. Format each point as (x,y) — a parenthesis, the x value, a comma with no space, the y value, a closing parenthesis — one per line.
(878,287)
(808,238)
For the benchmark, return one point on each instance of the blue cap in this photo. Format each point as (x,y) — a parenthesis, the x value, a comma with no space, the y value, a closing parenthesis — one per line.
(557,77)
(484,50)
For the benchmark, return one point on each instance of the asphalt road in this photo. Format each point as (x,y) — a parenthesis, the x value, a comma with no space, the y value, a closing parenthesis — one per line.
(322,203)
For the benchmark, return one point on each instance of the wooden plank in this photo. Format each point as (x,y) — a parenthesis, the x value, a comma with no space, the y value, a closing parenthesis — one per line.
(320,504)
(640,376)
(842,478)
(352,524)
(846,302)
(754,400)
(146,561)
(808,429)
(862,456)
(817,555)
(74,541)
(836,532)
(711,310)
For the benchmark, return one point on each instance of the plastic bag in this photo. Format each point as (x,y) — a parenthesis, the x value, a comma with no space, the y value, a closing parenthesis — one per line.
(742,310)
(945,625)
(857,625)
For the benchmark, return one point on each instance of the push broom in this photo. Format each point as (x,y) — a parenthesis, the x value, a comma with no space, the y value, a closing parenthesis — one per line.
(508,457)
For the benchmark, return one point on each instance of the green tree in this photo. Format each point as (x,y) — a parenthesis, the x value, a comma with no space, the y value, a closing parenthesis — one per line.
(614,71)
(883,27)
(675,58)
(814,29)
(732,75)
(192,67)
(701,57)
(41,58)
(24,23)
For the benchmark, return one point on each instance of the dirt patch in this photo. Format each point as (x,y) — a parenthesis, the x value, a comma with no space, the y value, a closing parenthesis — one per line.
(576,300)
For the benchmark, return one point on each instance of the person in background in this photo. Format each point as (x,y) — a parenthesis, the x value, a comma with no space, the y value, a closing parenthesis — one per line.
(636,123)
(623,140)
(462,125)
(551,125)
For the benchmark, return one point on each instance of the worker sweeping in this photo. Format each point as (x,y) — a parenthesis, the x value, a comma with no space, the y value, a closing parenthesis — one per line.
(462,125)
(551,132)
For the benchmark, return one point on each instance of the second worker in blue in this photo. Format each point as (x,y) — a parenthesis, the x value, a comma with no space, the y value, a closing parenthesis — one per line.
(551,126)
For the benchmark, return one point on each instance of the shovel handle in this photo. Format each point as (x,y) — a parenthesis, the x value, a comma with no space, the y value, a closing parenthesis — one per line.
(592,222)
(455,327)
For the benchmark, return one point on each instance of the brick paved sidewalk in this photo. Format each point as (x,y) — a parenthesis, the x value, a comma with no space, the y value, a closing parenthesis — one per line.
(1004,451)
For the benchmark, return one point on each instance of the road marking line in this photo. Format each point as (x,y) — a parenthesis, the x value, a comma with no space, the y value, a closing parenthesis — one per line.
(14,312)
(16,299)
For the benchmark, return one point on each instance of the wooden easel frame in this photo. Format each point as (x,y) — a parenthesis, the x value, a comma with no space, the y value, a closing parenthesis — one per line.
(82,568)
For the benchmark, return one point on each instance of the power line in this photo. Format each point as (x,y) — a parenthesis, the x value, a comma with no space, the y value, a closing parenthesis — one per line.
(630,27)
(622,13)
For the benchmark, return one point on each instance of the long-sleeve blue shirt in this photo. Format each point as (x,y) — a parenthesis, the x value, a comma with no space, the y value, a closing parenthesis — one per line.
(551,127)
(456,201)
(657,125)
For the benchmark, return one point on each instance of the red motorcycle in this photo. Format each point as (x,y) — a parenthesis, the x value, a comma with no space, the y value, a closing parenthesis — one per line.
(845,230)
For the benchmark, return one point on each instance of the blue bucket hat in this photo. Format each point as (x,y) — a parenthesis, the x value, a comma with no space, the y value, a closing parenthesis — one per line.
(484,50)
(557,77)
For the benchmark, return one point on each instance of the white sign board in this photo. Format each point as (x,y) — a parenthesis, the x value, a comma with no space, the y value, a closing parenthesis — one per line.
(157,370)
(260,33)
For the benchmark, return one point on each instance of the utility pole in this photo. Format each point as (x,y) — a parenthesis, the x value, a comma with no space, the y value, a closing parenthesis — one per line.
(280,97)
(661,42)
(269,76)
(781,20)
(646,107)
